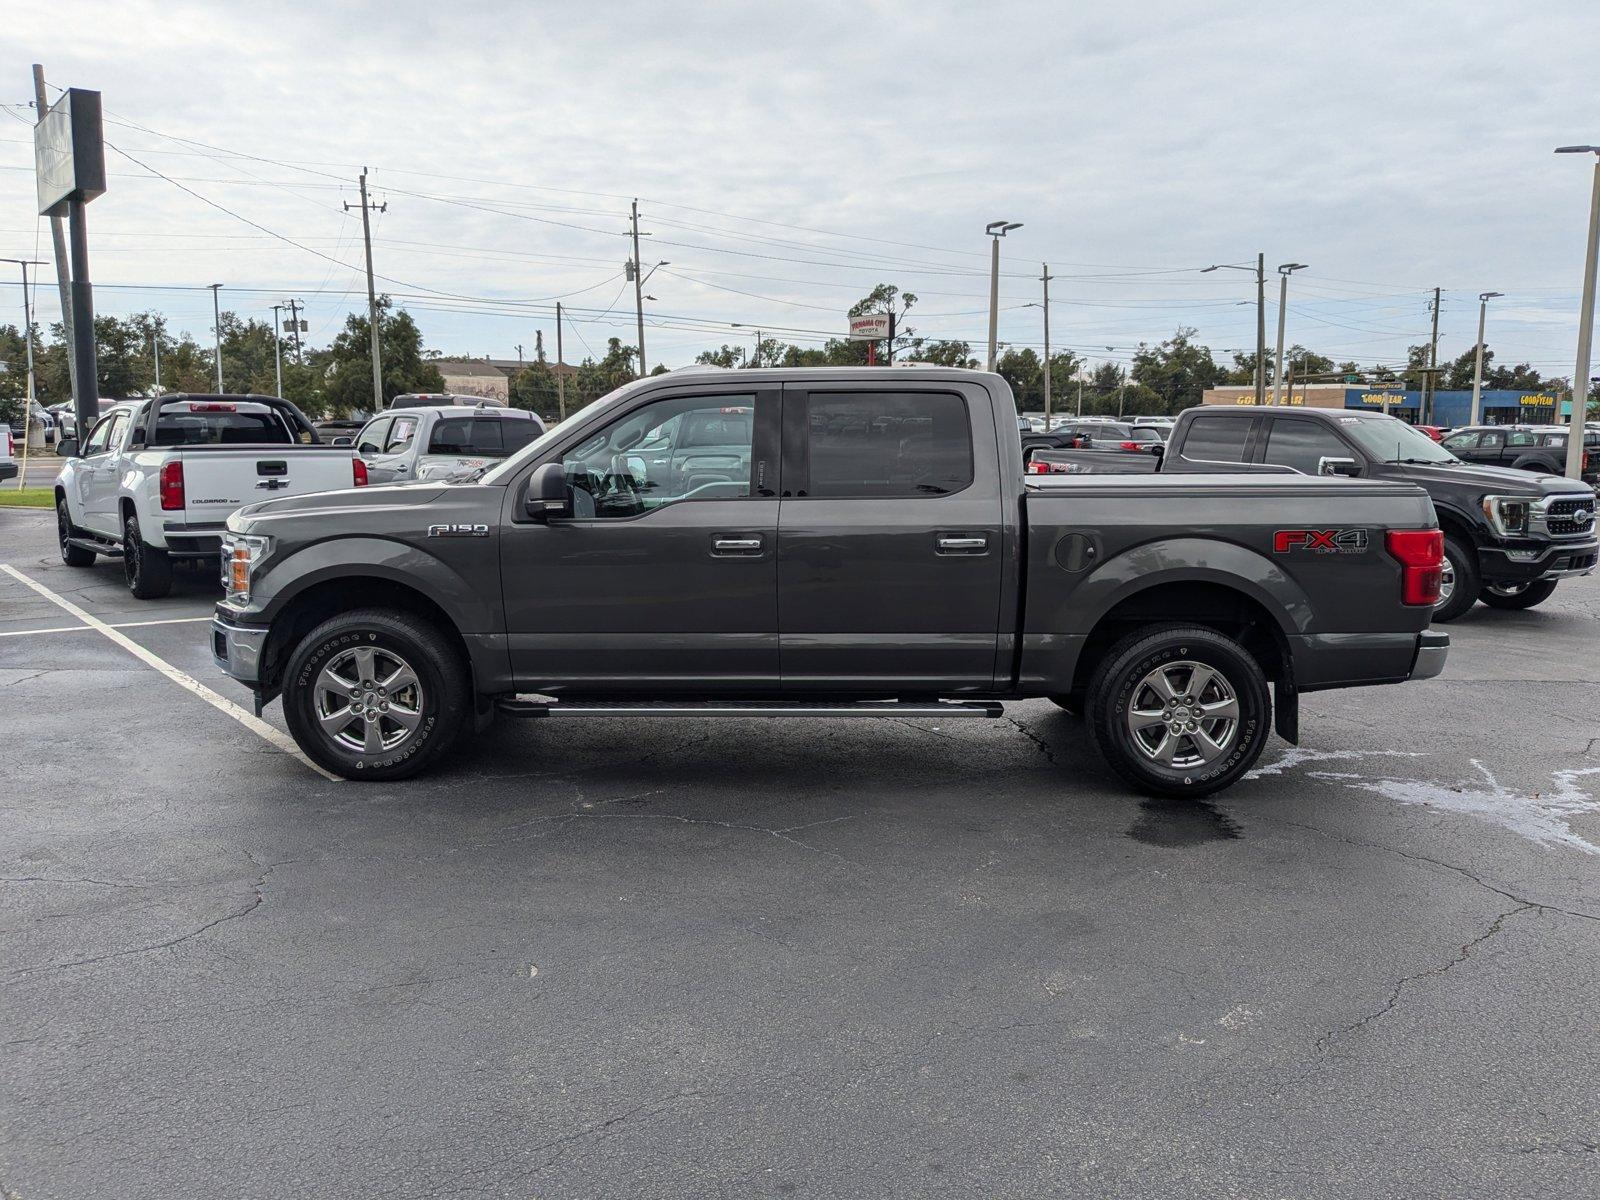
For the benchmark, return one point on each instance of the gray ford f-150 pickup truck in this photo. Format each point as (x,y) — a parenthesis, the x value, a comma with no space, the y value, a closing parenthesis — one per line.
(824,542)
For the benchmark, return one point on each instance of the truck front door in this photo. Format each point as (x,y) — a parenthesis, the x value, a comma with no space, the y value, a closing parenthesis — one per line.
(889,539)
(664,576)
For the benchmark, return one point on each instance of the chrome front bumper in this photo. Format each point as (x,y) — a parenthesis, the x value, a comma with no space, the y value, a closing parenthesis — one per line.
(1433,646)
(236,649)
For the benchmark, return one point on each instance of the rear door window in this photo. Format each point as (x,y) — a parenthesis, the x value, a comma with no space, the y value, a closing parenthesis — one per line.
(1217,439)
(1302,444)
(886,444)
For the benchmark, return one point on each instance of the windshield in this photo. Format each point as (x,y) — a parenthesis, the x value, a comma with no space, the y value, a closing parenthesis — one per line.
(1390,439)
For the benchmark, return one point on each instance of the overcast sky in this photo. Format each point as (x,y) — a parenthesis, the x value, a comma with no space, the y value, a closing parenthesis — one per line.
(787,157)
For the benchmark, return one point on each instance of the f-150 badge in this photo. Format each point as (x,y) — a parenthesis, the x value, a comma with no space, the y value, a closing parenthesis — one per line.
(458,531)
(1320,541)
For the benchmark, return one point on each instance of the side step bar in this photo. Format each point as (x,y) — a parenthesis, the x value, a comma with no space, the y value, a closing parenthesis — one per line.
(109,549)
(944,710)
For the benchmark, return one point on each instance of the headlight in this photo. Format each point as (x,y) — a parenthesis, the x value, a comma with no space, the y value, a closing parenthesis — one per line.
(240,553)
(1508,515)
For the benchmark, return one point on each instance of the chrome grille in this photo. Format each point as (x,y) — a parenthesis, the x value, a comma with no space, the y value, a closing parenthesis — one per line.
(1570,516)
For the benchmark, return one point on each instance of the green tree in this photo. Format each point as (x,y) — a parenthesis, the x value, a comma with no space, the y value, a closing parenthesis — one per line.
(1173,375)
(724,356)
(347,384)
(945,353)
(535,389)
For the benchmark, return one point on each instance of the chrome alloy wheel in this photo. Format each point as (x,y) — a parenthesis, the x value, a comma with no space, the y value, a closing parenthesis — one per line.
(1447,582)
(368,700)
(1184,714)
(1506,589)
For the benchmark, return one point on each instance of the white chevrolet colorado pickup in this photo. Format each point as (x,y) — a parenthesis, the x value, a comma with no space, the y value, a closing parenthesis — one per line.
(157,479)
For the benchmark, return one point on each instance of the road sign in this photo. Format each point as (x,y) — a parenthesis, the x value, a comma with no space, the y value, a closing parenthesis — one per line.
(871,327)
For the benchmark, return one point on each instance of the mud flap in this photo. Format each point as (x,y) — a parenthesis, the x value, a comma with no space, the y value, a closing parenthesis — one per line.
(1286,712)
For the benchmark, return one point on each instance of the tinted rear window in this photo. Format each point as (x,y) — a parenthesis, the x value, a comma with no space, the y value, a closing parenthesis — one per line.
(175,427)
(481,437)
(1216,439)
(883,444)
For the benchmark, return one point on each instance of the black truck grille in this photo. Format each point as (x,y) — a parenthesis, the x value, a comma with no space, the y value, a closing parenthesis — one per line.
(1569,516)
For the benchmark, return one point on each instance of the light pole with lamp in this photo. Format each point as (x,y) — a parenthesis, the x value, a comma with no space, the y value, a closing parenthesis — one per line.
(1580,376)
(1477,370)
(1284,271)
(1261,319)
(996,230)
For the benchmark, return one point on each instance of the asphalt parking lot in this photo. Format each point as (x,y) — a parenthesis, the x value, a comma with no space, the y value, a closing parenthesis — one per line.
(830,959)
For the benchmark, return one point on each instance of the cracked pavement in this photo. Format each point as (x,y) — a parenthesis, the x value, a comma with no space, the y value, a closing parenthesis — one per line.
(823,959)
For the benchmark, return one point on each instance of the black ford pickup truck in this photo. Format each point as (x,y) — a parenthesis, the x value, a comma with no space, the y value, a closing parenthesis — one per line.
(824,543)
(1509,535)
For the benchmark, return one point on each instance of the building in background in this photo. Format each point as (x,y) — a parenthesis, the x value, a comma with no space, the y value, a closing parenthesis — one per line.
(489,377)
(1450,408)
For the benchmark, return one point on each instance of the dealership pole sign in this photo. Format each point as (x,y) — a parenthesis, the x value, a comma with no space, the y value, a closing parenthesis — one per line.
(69,156)
(871,327)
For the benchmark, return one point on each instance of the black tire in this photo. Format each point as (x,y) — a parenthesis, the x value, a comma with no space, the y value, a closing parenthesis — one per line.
(1517,595)
(1122,681)
(1462,580)
(73,556)
(442,703)
(147,568)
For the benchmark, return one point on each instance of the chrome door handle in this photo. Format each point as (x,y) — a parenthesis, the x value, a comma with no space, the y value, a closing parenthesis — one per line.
(736,547)
(961,543)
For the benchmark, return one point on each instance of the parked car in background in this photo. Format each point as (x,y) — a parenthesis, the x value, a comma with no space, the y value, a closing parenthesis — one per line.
(433,399)
(1509,536)
(1555,439)
(1520,447)
(155,480)
(856,542)
(1436,432)
(66,418)
(8,456)
(436,443)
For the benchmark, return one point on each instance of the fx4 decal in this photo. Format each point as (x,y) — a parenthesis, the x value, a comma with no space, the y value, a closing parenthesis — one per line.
(1320,541)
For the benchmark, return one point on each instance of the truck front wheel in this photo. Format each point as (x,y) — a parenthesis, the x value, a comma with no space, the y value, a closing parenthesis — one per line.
(1179,711)
(376,694)
(1517,595)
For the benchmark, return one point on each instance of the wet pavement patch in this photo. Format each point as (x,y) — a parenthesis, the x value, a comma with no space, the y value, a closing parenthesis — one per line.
(1176,823)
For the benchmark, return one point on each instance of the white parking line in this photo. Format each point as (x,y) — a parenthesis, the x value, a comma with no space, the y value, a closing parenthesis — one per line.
(184,680)
(110,625)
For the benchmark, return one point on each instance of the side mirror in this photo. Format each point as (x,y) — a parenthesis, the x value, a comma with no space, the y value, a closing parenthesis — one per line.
(67,447)
(344,441)
(1347,467)
(1158,451)
(547,493)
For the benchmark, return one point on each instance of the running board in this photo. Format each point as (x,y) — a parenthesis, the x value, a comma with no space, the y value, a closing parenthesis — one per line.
(943,710)
(98,547)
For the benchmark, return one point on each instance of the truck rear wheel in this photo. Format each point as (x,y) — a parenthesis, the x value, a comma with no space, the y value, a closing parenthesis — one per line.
(1180,711)
(1517,595)
(1459,581)
(376,694)
(148,569)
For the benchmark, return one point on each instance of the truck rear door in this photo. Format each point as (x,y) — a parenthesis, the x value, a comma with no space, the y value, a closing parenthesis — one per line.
(890,552)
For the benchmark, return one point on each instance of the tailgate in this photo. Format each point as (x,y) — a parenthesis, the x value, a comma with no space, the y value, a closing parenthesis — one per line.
(218,481)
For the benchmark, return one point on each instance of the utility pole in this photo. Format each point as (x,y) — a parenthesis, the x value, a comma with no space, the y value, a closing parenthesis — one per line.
(277,347)
(216,314)
(1580,376)
(1261,329)
(58,239)
(1477,370)
(1080,393)
(1045,279)
(1430,383)
(996,230)
(372,294)
(155,352)
(27,325)
(638,287)
(1284,271)
(294,307)
(561,368)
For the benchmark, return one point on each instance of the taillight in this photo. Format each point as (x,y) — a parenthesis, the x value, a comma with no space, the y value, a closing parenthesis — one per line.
(171,485)
(1420,553)
(358,470)
(1038,468)
(1130,445)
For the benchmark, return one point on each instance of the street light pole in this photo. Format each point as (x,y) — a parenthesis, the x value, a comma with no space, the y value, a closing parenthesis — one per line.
(277,348)
(1477,370)
(1045,279)
(996,230)
(1580,376)
(27,326)
(1261,319)
(1284,271)
(216,315)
